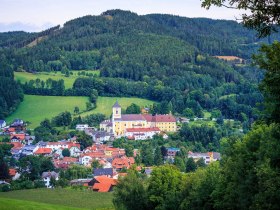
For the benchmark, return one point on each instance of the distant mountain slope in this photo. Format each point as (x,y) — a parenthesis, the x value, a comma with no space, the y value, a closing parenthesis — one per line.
(169,57)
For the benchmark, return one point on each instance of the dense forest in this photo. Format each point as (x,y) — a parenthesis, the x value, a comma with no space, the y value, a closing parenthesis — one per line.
(165,58)
(11,93)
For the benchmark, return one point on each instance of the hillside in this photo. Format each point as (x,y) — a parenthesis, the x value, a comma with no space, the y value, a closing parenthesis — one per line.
(164,58)
(34,109)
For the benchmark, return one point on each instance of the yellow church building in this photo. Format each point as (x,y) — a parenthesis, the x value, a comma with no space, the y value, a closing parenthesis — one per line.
(120,122)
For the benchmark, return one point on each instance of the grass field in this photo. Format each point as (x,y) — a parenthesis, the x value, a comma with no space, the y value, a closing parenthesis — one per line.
(55,199)
(68,81)
(104,104)
(36,108)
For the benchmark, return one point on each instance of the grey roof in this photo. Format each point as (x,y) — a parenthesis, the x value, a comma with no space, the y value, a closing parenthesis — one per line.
(103,171)
(148,171)
(27,137)
(29,147)
(17,122)
(49,174)
(131,117)
(2,121)
(116,105)
(216,155)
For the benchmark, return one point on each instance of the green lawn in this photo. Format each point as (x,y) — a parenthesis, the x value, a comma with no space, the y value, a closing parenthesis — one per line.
(12,204)
(68,81)
(55,199)
(36,108)
(104,104)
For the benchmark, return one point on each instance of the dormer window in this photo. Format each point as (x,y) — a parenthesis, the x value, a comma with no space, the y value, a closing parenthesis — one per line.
(116,111)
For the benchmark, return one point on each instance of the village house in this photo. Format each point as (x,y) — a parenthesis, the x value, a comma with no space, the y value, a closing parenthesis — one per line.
(46,176)
(18,137)
(170,154)
(29,139)
(3,123)
(141,133)
(100,136)
(43,151)
(208,157)
(29,149)
(18,125)
(81,182)
(65,162)
(103,184)
(109,172)
(122,163)
(106,126)
(81,127)
(16,149)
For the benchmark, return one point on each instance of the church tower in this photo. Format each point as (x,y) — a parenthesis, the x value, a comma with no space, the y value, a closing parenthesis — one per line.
(117,111)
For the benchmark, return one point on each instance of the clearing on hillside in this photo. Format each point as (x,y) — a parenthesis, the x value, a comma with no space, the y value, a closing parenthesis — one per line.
(68,81)
(104,104)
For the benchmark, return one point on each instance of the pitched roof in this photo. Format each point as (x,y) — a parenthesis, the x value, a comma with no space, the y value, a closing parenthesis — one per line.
(142,129)
(20,136)
(42,151)
(12,172)
(122,162)
(104,184)
(131,117)
(116,105)
(160,118)
(103,171)
(49,174)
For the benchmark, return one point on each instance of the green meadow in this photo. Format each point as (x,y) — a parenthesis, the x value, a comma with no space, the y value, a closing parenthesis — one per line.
(35,109)
(55,199)
(104,104)
(68,81)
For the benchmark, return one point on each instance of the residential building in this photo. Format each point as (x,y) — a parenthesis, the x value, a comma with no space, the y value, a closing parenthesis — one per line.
(208,157)
(29,149)
(46,176)
(122,162)
(81,127)
(104,184)
(3,123)
(141,133)
(109,172)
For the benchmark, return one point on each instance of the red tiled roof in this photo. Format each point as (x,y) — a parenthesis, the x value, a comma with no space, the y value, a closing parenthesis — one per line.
(17,145)
(20,136)
(122,162)
(11,129)
(12,172)
(104,184)
(142,129)
(159,118)
(43,151)
(96,154)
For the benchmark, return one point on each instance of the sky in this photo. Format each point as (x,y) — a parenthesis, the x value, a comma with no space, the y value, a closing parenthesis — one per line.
(37,15)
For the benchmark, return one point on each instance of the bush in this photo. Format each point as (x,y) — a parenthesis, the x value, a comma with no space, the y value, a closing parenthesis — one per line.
(5,188)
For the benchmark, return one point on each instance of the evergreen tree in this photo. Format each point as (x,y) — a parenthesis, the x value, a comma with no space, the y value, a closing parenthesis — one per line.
(190,165)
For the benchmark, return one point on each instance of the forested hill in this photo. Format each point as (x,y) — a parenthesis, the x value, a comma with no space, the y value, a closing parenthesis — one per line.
(160,57)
